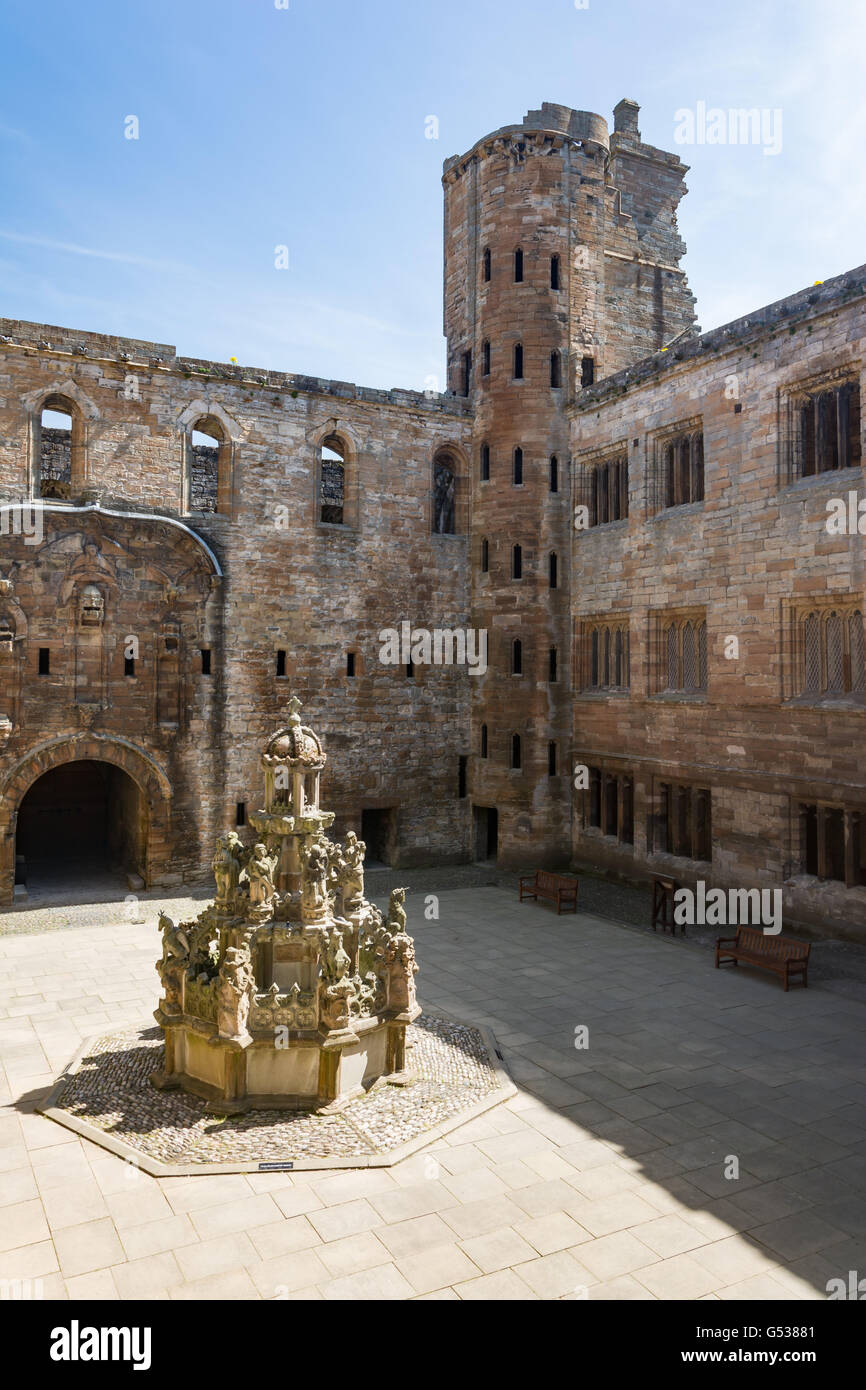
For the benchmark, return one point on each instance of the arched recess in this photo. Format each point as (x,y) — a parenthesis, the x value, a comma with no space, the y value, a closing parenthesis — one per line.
(449,491)
(65,460)
(150,779)
(204,418)
(338,490)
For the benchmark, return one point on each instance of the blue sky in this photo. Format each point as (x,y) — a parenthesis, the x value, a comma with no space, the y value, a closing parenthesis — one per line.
(304,127)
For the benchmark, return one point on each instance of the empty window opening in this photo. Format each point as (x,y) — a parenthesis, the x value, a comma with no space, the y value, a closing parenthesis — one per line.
(410,671)
(555,369)
(129,665)
(204,448)
(552,570)
(515,751)
(281,663)
(516,562)
(350,664)
(467,373)
(587,371)
(517,470)
(444,496)
(518,361)
(485,264)
(485,358)
(461,778)
(517,657)
(551,760)
(483,748)
(240,813)
(554,272)
(45,661)
(55,453)
(205,660)
(552,663)
(553,483)
(485,557)
(518,266)
(485,463)
(332,481)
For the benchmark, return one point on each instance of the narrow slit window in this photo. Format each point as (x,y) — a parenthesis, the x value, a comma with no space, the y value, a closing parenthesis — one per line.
(515,751)
(587,371)
(551,760)
(516,562)
(485,556)
(554,473)
(281,663)
(517,657)
(554,272)
(552,662)
(240,813)
(555,369)
(485,264)
(45,661)
(485,357)
(483,740)
(129,665)
(518,361)
(553,568)
(461,778)
(205,661)
(518,266)
(485,463)
(350,664)
(517,472)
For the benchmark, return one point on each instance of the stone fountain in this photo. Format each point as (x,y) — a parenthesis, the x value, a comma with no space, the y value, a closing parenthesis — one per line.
(290,990)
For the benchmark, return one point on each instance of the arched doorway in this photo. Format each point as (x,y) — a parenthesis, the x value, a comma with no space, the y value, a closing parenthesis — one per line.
(82,824)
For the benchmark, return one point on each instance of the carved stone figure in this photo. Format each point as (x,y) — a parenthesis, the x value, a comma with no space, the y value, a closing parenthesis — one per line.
(259,872)
(172,967)
(314,889)
(234,992)
(353,872)
(336,962)
(227,869)
(396,910)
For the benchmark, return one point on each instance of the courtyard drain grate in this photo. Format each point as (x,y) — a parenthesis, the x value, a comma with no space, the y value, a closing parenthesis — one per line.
(455,1073)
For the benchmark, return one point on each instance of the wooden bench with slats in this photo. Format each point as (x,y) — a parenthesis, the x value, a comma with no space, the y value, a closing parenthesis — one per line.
(782,954)
(556,888)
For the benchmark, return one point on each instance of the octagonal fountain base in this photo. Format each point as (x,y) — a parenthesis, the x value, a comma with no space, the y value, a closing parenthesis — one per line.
(453,1073)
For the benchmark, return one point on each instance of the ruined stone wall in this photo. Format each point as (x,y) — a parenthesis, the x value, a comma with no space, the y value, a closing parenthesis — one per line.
(755,543)
(289,583)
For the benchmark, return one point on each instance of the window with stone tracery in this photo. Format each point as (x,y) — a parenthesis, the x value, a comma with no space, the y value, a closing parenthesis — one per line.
(826,654)
(679,653)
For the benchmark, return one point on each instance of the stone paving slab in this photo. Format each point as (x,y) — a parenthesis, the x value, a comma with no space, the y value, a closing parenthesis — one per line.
(620,1148)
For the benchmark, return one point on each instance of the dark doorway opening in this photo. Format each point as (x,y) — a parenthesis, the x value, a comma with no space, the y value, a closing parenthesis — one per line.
(486,832)
(81,824)
(379,833)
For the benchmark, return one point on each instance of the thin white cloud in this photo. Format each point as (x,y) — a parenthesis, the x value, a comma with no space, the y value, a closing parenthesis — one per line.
(71,249)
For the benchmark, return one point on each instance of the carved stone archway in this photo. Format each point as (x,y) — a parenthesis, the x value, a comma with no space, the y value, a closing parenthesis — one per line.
(148,776)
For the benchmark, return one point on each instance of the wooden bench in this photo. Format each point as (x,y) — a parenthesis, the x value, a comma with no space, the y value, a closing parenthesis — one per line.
(556,888)
(781,954)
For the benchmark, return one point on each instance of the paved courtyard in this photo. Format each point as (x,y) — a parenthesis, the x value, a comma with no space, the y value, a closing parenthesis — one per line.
(603,1178)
